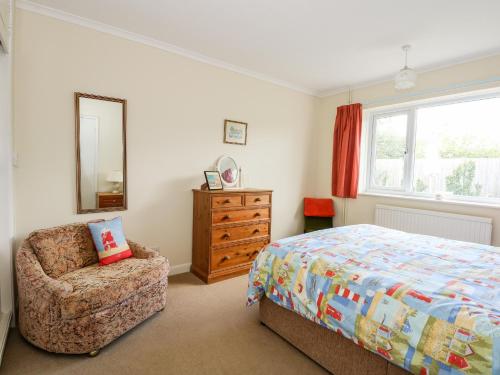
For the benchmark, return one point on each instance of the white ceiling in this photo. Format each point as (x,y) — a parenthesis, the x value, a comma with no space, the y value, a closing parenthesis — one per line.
(317,45)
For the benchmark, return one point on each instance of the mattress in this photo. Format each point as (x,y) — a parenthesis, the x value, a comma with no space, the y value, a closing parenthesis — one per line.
(426,304)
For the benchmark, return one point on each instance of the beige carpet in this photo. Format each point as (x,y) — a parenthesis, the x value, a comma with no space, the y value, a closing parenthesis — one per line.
(205,329)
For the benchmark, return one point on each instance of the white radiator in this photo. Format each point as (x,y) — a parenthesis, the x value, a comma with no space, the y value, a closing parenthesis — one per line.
(434,223)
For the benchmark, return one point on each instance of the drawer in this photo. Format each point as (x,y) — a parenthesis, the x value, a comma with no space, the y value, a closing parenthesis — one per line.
(110,201)
(235,255)
(221,201)
(232,216)
(257,199)
(227,235)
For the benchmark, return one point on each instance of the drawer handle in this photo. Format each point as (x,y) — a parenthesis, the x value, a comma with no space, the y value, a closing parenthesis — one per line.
(257,214)
(226,217)
(226,257)
(226,201)
(256,231)
(257,199)
(226,236)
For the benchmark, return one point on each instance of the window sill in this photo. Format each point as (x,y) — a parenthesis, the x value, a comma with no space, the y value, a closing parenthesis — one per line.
(431,200)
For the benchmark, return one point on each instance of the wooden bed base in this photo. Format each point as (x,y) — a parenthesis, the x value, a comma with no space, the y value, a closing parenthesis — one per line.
(332,351)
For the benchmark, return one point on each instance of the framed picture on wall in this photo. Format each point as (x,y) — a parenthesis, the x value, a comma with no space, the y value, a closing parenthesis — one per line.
(235,132)
(214,181)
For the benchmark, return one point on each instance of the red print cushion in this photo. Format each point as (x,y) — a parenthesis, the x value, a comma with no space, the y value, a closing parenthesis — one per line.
(109,240)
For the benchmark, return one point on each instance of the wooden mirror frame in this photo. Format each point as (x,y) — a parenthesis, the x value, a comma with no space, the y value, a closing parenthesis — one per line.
(79,208)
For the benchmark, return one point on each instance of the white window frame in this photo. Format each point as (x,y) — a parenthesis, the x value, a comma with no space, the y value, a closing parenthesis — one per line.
(371,115)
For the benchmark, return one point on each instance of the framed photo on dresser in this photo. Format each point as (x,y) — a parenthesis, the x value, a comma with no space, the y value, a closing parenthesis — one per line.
(214,181)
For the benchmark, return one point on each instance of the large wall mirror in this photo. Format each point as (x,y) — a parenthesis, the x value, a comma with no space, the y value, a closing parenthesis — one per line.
(101,153)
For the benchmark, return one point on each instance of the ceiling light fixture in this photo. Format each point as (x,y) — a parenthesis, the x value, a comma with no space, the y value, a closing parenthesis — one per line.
(406,77)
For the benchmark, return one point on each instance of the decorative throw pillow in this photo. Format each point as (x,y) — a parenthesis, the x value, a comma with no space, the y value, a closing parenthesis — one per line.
(109,240)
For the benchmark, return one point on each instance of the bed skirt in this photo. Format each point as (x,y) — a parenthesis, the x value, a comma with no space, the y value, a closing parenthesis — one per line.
(332,351)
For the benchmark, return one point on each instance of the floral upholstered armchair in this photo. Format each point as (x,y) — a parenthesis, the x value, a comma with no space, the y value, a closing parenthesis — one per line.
(70,304)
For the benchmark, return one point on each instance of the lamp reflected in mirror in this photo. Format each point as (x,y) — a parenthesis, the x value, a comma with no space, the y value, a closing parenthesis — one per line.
(116,177)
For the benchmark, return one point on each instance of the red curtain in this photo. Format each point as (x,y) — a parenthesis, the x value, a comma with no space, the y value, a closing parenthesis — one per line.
(346,145)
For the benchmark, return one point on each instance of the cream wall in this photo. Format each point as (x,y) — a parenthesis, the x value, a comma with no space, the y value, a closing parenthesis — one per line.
(176,109)
(6,204)
(5,180)
(451,80)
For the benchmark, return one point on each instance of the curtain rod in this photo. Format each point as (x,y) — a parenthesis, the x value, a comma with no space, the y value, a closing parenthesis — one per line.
(417,94)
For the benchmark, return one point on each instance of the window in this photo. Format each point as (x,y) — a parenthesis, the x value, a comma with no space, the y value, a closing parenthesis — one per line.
(443,148)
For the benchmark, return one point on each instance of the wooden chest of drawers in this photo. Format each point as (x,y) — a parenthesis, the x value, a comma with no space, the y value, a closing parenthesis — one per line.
(230,227)
(107,200)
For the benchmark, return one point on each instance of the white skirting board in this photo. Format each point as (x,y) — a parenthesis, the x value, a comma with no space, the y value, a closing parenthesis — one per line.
(4,331)
(180,268)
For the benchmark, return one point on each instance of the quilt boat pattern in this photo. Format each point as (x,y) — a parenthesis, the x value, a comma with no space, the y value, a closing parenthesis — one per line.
(427,304)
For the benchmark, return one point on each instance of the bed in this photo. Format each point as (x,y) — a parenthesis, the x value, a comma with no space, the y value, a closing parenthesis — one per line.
(422,304)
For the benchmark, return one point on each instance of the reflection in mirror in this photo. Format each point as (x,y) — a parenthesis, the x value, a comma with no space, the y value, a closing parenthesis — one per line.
(101,153)
(228,170)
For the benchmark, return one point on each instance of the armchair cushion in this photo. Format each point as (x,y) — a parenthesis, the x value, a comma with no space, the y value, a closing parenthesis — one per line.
(96,288)
(63,249)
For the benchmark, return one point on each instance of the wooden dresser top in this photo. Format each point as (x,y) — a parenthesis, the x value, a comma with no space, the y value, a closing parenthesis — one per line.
(228,191)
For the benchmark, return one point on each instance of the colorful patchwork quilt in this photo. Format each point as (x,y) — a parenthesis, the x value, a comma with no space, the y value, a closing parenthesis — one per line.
(427,304)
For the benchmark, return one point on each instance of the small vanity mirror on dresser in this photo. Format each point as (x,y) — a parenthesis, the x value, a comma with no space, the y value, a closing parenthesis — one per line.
(228,169)
(100,153)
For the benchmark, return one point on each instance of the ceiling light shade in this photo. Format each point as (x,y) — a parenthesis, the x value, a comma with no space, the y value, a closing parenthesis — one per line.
(406,77)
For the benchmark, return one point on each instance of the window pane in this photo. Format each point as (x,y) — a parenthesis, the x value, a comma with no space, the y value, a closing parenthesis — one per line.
(390,148)
(458,149)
